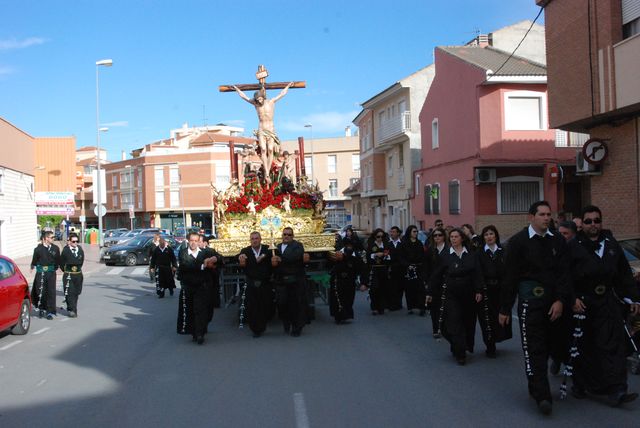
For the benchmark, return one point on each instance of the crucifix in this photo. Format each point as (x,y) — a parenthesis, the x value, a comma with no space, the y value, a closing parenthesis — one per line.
(268,140)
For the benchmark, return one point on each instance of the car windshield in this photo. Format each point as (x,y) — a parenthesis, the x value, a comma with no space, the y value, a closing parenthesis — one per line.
(137,242)
(632,246)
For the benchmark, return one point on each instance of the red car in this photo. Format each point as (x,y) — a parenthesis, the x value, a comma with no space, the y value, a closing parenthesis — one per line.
(15,301)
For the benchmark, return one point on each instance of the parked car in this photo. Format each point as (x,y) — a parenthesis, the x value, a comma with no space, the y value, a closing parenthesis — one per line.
(180,233)
(631,249)
(15,301)
(136,251)
(116,240)
(110,233)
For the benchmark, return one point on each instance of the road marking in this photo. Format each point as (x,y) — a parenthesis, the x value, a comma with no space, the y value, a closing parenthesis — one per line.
(139,271)
(11,345)
(115,271)
(42,382)
(42,330)
(302,420)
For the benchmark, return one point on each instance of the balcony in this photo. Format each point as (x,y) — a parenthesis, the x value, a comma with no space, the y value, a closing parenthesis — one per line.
(570,139)
(626,60)
(393,127)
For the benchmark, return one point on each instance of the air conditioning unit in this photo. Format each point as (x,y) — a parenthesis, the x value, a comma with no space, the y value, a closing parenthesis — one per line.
(585,168)
(485,175)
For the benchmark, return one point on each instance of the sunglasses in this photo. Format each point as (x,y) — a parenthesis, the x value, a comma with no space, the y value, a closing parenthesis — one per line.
(74,242)
(595,220)
(287,234)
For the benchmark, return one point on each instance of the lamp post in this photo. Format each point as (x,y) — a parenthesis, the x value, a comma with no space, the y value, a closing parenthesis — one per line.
(310,126)
(131,204)
(101,63)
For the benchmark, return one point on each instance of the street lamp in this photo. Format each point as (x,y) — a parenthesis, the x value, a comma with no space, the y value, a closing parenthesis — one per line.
(131,204)
(101,63)
(310,126)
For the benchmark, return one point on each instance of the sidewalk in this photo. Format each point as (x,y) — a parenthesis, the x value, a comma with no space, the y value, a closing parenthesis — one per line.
(91,261)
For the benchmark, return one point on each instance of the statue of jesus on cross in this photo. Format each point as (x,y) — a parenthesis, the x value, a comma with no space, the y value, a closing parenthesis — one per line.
(268,140)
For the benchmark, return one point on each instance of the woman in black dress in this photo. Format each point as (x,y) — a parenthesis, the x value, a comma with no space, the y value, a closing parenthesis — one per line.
(163,265)
(493,269)
(412,258)
(437,246)
(459,277)
(378,258)
(343,281)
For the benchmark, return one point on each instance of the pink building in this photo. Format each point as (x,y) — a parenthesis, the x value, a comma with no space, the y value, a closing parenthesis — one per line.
(487,150)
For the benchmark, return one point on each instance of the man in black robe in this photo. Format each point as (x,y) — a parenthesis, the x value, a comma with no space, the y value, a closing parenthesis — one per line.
(344,273)
(291,289)
(46,261)
(396,271)
(257,294)
(193,268)
(602,276)
(72,279)
(537,271)
(163,265)
(213,281)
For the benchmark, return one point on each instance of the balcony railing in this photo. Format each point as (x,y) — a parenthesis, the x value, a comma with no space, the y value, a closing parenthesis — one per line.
(570,139)
(393,127)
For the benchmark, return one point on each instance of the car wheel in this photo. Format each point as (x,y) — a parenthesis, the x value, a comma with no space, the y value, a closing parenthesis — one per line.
(131,260)
(24,321)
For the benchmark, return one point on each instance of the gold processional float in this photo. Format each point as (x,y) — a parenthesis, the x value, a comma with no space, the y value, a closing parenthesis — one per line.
(274,193)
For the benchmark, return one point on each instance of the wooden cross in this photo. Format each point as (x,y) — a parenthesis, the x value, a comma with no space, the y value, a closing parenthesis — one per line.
(261,75)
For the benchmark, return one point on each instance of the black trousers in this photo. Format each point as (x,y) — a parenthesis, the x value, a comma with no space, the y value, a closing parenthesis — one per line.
(434,308)
(396,288)
(541,339)
(292,304)
(460,322)
(43,292)
(258,306)
(72,287)
(198,303)
(342,293)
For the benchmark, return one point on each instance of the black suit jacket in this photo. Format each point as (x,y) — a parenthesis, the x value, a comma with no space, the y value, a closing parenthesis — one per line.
(292,263)
(190,269)
(254,270)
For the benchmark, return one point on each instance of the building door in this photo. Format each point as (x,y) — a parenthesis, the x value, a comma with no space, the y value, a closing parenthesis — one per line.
(573,198)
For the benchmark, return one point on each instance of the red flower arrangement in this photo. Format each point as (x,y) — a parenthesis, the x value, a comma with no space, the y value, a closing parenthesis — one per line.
(264,196)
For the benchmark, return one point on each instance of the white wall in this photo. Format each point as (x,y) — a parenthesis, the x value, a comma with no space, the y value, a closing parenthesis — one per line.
(18,227)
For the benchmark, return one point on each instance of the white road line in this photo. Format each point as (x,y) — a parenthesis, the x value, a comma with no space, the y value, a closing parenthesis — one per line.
(302,420)
(42,330)
(11,345)
(139,271)
(42,382)
(115,271)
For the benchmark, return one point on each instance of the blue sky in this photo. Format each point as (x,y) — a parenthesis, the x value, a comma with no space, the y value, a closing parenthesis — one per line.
(169,58)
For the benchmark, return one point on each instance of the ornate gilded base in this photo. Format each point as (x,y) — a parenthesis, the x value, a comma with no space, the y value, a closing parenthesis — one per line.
(230,247)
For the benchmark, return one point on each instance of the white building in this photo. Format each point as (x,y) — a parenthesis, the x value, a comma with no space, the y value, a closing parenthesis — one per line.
(18,223)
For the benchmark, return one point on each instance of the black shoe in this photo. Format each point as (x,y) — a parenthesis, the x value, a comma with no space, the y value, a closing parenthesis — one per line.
(545,407)
(200,340)
(629,397)
(50,316)
(410,312)
(256,335)
(461,361)
(490,353)
(437,335)
(287,329)
(161,296)
(554,367)
(72,314)
(42,314)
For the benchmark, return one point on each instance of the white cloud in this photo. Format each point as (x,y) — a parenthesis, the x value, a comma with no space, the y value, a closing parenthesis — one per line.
(117,124)
(328,122)
(14,43)
(5,71)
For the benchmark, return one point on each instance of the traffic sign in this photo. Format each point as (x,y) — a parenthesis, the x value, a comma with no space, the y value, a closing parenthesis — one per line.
(103,210)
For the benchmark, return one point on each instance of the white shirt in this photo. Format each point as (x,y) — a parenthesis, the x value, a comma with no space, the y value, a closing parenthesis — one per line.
(533,233)
(440,247)
(452,251)
(600,250)
(193,253)
(256,253)
(395,243)
(283,247)
(380,247)
(492,248)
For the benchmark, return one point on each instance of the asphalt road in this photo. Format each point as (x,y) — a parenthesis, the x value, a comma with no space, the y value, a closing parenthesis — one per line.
(121,364)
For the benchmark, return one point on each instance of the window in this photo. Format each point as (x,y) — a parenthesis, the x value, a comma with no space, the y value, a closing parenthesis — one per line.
(402,106)
(454,197)
(416,187)
(435,199)
(333,187)
(160,199)
(308,166)
(114,200)
(114,181)
(390,166)
(332,161)
(159,177)
(427,199)
(126,199)
(435,137)
(223,175)
(174,198)
(355,162)
(380,118)
(174,176)
(516,194)
(353,181)
(524,110)
(6,269)
(140,200)
(401,157)
(630,18)
(139,178)
(124,179)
